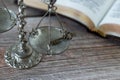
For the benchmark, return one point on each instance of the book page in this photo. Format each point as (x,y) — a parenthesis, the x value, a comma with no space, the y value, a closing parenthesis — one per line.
(94,9)
(113,16)
(110,25)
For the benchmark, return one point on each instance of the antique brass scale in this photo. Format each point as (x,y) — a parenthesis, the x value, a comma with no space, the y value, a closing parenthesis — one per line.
(48,39)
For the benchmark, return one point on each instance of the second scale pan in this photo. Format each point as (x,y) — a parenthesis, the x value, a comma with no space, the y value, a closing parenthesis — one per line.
(40,40)
(7,20)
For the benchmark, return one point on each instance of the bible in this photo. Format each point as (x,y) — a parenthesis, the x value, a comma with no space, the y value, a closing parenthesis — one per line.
(101,16)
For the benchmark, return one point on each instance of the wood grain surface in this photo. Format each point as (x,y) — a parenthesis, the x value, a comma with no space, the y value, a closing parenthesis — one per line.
(89,57)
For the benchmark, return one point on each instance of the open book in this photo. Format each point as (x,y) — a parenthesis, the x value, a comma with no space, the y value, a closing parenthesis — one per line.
(101,16)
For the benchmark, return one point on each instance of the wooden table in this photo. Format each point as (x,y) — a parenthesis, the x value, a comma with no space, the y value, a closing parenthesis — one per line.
(89,57)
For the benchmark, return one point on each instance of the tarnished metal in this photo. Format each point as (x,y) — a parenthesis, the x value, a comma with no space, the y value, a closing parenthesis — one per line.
(66,36)
(7,18)
(40,42)
(50,39)
(48,1)
(21,55)
(14,60)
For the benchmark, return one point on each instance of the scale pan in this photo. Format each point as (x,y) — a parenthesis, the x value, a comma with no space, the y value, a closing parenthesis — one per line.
(40,40)
(7,20)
